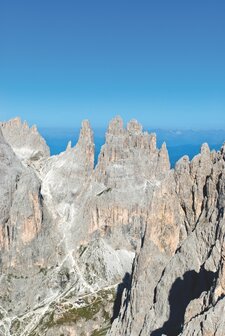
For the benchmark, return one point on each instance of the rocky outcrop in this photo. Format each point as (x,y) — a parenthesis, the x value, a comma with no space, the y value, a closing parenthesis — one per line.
(130,156)
(129,168)
(64,176)
(21,209)
(22,232)
(184,290)
(26,142)
(129,242)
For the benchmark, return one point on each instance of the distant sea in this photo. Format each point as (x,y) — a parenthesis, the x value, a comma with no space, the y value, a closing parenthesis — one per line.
(179,143)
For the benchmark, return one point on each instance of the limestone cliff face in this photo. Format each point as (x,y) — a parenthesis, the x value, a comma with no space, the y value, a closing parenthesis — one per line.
(129,169)
(129,242)
(26,142)
(21,209)
(64,176)
(185,293)
(22,233)
(130,155)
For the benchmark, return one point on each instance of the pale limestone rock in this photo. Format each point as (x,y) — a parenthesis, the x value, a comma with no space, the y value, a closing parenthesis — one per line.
(209,323)
(188,290)
(64,176)
(26,142)
(69,233)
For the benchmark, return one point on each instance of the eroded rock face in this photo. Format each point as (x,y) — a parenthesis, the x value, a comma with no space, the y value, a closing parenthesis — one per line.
(129,169)
(65,176)
(130,156)
(26,142)
(22,233)
(130,242)
(185,290)
(21,208)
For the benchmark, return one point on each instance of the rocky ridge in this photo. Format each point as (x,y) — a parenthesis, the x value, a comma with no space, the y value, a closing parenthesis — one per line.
(129,242)
(26,142)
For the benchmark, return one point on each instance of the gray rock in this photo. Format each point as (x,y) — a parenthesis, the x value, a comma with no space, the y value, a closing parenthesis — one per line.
(185,295)
(129,241)
(26,142)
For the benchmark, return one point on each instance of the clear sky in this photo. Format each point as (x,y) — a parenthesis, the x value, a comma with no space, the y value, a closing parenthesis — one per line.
(161,62)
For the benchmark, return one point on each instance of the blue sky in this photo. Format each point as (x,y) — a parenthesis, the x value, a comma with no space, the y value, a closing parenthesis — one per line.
(161,62)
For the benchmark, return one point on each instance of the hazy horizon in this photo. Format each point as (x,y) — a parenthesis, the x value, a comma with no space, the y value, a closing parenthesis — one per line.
(146,127)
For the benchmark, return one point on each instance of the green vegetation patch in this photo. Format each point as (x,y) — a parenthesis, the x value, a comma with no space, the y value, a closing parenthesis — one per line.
(93,309)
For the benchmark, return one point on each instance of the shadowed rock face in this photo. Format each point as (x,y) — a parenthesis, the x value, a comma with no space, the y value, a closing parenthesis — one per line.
(184,290)
(129,247)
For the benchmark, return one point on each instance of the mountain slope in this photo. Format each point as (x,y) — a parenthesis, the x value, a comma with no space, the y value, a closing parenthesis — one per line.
(129,247)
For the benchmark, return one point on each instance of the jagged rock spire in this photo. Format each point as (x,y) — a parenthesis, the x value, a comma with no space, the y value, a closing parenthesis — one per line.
(205,149)
(69,145)
(115,126)
(69,236)
(26,142)
(85,147)
(164,161)
(134,127)
(129,148)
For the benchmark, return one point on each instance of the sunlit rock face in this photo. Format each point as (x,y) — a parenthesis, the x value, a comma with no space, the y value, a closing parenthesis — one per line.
(129,247)
(26,142)
(184,289)
(21,208)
